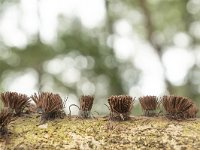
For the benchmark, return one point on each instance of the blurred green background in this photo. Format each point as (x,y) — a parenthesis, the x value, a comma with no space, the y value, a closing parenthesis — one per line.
(100,47)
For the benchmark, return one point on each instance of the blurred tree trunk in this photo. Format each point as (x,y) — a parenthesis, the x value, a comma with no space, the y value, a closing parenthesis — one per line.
(109,21)
(39,84)
(115,79)
(38,39)
(150,31)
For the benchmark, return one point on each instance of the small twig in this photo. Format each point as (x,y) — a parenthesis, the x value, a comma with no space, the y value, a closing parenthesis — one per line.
(93,114)
(64,103)
(96,112)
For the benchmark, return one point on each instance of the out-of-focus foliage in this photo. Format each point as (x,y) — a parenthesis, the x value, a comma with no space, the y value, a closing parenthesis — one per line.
(87,55)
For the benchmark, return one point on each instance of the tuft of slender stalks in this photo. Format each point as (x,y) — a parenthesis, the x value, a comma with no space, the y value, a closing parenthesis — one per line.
(149,105)
(178,107)
(120,107)
(49,104)
(15,101)
(86,102)
(5,118)
(38,98)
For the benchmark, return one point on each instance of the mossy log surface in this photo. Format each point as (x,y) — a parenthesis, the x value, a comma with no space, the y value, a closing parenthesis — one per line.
(99,133)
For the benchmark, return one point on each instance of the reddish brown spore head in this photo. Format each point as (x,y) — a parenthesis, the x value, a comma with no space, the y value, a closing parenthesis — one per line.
(15,101)
(86,102)
(120,107)
(50,104)
(149,102)
(179,107)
